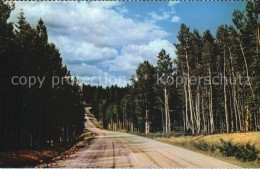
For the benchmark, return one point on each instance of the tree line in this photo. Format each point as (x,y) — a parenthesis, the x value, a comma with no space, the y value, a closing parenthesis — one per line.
(228,103)
(35,117)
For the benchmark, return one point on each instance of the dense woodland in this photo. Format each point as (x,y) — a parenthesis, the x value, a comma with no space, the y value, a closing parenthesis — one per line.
(228,105)
(42,117)
(34,117)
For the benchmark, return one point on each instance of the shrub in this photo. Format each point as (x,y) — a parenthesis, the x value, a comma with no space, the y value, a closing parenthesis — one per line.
(227,148)
(246,152)
(241,152)
(201,145)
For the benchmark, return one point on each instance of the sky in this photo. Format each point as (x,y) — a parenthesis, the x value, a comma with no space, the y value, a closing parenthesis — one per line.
(102,43)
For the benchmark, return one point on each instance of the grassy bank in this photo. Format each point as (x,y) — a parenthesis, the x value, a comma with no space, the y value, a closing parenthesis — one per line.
(93,119)
(242,149)
(238,148)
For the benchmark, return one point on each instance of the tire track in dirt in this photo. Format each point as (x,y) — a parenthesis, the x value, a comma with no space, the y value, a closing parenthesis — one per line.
(114,149)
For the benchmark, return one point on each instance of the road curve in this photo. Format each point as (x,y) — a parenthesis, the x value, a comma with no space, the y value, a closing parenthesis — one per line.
(115,149)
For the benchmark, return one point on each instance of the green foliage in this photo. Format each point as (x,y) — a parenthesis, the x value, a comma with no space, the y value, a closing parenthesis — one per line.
(202,145)
(35,117)
(245,152)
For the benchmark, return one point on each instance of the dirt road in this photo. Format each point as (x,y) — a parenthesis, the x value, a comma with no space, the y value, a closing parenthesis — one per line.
(114,149)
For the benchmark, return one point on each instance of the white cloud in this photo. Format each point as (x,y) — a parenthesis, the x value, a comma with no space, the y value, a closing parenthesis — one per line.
(122,10)
(90,52)
(175,19)
(132,55)
(157,17)
(98,24)
(165,13)
(99,32)
(173,3)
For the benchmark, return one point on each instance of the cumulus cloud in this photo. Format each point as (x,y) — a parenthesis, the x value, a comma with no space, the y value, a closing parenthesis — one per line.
(99,24)
(166,14)
(173,3)
(90,52)
(132,55)
(157,17)
(175,19)
(94,36)
(122,10)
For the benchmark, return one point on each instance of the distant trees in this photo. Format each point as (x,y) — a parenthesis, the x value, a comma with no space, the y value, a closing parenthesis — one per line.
(212,97)
(231,105)
(220,89)
(165,72)
(140,107)
(34,117)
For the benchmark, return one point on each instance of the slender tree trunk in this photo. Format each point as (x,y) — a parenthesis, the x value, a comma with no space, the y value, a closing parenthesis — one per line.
(146,122)
(225,95)
(165,106)
(198,109)
(231,111)
(184,121)
(190,94)
(247,72)
(168,111)
(234,90)
(186,105)
(247,121)
(211,103)
(203,114)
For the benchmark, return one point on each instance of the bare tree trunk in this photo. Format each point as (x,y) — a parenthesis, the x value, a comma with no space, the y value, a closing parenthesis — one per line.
(211,103)
(234,91)
(190,94)
(203,114)
(166,113)
(184,121)
(247,118)
(146,122)
(198,109)
(186,105)
(231,112)
(132,126)
(247,72)
(225,95)
(239,115)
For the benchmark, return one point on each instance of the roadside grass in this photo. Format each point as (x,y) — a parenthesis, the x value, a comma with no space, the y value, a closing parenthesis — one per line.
(93,119)
(242,149)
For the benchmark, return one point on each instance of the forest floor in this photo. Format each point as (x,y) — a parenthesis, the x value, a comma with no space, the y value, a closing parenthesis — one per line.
(41,158)
(209,145)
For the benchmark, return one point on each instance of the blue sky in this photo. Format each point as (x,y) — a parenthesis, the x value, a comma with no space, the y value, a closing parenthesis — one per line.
(110,39)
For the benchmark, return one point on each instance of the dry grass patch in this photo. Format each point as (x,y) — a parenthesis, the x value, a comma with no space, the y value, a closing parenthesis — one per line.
(93,119)
(245,145)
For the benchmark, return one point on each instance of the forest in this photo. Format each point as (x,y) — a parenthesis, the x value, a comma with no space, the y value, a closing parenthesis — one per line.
(34,117)
(37,117)
(227,99)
